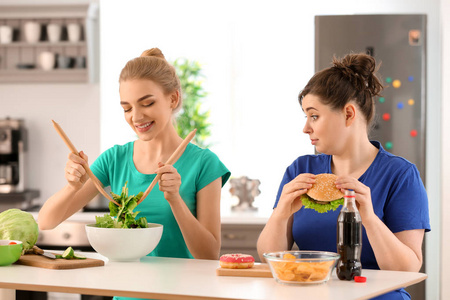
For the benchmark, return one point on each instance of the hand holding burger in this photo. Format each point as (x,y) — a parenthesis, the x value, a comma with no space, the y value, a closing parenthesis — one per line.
(323,196)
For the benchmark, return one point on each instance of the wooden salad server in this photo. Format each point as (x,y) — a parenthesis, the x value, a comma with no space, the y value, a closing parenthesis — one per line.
(86,166)
(172,159)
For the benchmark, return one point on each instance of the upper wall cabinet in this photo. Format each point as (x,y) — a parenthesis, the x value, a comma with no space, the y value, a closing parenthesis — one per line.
(49,43)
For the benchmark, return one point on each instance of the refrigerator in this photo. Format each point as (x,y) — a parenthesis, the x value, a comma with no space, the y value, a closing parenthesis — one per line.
(399,43)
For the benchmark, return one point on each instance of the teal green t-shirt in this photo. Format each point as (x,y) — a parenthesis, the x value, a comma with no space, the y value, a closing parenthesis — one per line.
(197,167)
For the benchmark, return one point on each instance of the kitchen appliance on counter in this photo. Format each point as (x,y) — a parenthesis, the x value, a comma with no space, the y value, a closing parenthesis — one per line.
(13,148)
(13,145)
(399,43)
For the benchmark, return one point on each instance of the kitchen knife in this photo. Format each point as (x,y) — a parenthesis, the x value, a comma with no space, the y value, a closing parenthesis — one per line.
(39,251)
(49,255)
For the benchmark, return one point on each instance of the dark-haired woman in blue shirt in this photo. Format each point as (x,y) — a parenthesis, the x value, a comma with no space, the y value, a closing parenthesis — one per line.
(339,107)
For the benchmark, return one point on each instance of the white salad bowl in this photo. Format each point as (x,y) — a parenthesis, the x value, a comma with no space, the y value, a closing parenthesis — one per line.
(121,244)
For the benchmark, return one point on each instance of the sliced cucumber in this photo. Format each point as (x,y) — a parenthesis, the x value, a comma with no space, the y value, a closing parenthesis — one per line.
(79,256)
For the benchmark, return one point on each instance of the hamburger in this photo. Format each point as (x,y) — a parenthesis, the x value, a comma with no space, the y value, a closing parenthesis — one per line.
(323,196)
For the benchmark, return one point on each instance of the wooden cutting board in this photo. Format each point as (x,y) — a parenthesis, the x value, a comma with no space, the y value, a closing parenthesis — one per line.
(258,270)
(40,261)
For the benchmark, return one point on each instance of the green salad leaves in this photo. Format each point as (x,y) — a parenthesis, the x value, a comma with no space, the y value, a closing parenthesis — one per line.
(320,208)
(122,216)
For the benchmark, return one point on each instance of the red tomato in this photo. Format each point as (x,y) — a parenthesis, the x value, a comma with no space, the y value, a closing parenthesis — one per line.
(12,243)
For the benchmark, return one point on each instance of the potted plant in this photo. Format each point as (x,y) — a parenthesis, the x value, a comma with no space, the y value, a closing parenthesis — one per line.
(191,114)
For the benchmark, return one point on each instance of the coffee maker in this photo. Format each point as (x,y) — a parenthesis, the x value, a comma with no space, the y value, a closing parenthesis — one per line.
(13,145)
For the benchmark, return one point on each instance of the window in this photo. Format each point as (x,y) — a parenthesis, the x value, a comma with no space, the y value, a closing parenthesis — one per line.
(256,58)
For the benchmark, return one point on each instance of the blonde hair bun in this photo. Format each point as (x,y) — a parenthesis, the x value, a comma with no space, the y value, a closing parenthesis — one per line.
(153,52)
(152,65)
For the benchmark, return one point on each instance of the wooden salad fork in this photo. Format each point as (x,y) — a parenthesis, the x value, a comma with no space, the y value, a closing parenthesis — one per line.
(91,175)
(172,159)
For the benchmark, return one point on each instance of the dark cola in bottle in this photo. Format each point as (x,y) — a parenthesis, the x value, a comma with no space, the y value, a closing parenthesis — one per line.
(349,239)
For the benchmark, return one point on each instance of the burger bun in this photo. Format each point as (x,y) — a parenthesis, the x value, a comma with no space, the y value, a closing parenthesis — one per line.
(324,189)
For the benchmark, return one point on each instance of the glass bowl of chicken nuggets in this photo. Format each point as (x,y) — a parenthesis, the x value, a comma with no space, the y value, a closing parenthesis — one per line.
(301,267)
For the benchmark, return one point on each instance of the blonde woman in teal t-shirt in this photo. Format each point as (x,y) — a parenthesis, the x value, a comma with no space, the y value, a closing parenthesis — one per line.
(187,198)
(197,167)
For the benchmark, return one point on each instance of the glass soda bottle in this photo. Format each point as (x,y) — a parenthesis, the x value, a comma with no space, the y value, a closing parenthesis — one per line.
(349,239)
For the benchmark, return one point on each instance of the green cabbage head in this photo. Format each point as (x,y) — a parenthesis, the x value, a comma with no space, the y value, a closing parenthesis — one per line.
(16,224)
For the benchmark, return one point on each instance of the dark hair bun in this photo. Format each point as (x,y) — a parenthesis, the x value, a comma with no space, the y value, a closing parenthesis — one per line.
(360,70)
(351,78)
(153,52)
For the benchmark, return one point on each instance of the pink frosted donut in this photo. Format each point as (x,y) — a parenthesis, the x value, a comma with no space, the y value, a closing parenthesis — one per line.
(237,261)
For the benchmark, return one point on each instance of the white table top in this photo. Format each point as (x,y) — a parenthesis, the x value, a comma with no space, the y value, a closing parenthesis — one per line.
(172,278)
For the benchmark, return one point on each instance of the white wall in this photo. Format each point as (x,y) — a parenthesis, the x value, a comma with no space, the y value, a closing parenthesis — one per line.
(253,74)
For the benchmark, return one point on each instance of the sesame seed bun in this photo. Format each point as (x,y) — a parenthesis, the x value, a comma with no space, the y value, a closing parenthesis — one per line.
(324,190)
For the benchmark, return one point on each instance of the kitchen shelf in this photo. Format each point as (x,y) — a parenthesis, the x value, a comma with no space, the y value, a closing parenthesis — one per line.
(44,44)
(20,52)
(241,238)
(38,75)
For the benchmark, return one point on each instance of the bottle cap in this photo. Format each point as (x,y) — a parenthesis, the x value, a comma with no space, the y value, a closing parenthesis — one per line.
(360,279)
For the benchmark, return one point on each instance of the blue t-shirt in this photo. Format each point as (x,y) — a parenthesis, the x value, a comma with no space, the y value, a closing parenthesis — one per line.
(398,196)
(197,167)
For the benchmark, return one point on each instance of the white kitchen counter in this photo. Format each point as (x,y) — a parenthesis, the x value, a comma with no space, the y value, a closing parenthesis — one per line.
(172,278)
(227,217)
(82,217)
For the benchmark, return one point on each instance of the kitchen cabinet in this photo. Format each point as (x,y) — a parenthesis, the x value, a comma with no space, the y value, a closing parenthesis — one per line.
(20,57)
(241,238)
